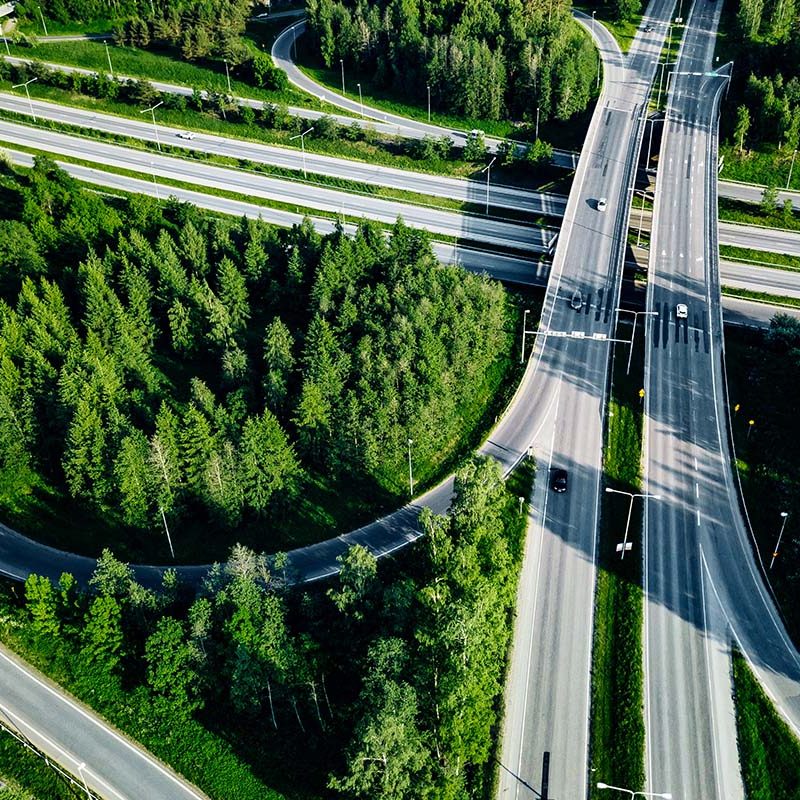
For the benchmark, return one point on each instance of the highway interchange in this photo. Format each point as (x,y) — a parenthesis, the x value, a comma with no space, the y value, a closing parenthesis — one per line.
(695,601)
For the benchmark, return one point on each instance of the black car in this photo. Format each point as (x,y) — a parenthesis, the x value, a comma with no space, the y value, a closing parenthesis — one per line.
(558,481)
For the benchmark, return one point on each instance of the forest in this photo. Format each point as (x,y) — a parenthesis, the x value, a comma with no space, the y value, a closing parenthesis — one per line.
(481,59)
(765,106)
(158,365)
(386,683)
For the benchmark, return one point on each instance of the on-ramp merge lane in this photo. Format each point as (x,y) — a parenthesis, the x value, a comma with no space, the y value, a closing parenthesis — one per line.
(703,585)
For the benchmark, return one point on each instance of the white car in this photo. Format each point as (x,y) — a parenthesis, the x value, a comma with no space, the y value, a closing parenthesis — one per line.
(681,311)
(185,135)
(601,204)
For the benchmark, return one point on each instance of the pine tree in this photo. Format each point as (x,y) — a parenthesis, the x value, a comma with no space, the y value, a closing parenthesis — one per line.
(135,477)
(278,363)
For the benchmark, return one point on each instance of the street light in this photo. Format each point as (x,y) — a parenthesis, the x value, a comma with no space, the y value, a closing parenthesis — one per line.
(429,102)
(410,472)
(633,794)
(341,62)
(108,56)
(28,94)
(791,167)
(360,100)
(41,17)
(81,768)
(785,515)
(636,315)
(152,110)
(5,39)
(488,170)
(624,546)
(524,331)
(537,123)
(302,137)
(227,75)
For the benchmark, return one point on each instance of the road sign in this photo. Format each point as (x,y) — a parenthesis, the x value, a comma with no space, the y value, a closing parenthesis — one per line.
(628,546)
(641,392)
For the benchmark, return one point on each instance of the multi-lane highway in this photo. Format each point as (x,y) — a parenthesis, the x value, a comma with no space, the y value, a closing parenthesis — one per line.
(472,227)
(703,586)
(546,725)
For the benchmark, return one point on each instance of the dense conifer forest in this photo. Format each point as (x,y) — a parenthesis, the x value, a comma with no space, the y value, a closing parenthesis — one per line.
(482,59)
(218,371)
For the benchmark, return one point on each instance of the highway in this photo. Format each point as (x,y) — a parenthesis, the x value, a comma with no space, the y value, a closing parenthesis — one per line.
(465,190)
(470,227)
(71,734)
(703,586)
(546,724)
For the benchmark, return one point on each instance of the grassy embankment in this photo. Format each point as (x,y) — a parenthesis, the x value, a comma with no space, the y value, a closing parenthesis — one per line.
(617,722)
(769,753)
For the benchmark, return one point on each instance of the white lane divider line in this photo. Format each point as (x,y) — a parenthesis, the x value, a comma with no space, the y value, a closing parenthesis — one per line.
(697,490)
(698,517)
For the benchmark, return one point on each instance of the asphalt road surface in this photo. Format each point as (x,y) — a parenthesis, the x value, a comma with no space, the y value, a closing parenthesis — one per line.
(468,191)
(546,724)
(702,583)
(111,765)
(471,227)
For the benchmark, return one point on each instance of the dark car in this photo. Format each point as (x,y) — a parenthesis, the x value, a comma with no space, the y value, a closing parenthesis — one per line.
(558,482)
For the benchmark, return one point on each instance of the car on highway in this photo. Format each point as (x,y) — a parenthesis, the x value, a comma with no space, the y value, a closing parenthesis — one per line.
(681,311)
(601,204)
(576,301)
(648,29)
(558,481)
(185,135)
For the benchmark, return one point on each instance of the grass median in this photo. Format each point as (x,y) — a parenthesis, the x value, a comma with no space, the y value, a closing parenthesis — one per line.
(617,721)
(769,753)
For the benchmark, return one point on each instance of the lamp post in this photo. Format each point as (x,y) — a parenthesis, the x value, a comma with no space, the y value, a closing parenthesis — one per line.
(488,170)
(5,39)
(537,123)
(524,329)
(633,794)
(302,137)
(341,63)
(622,548)
(227,75)
(81,768)
(152,111)
(785,515)
(636,315)
(429,102)
(791,167)
(360,100)
(41,17)
(108,56)
(410,471)
(28,94)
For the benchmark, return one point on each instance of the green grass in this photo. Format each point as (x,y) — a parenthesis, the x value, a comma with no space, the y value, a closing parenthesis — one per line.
(767,165)
(617,721)
(379,151)
(26,776)
(769,753)
(166,66)
(762,297)
(745,254)
(763,384)
(624,31)
(749,214)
